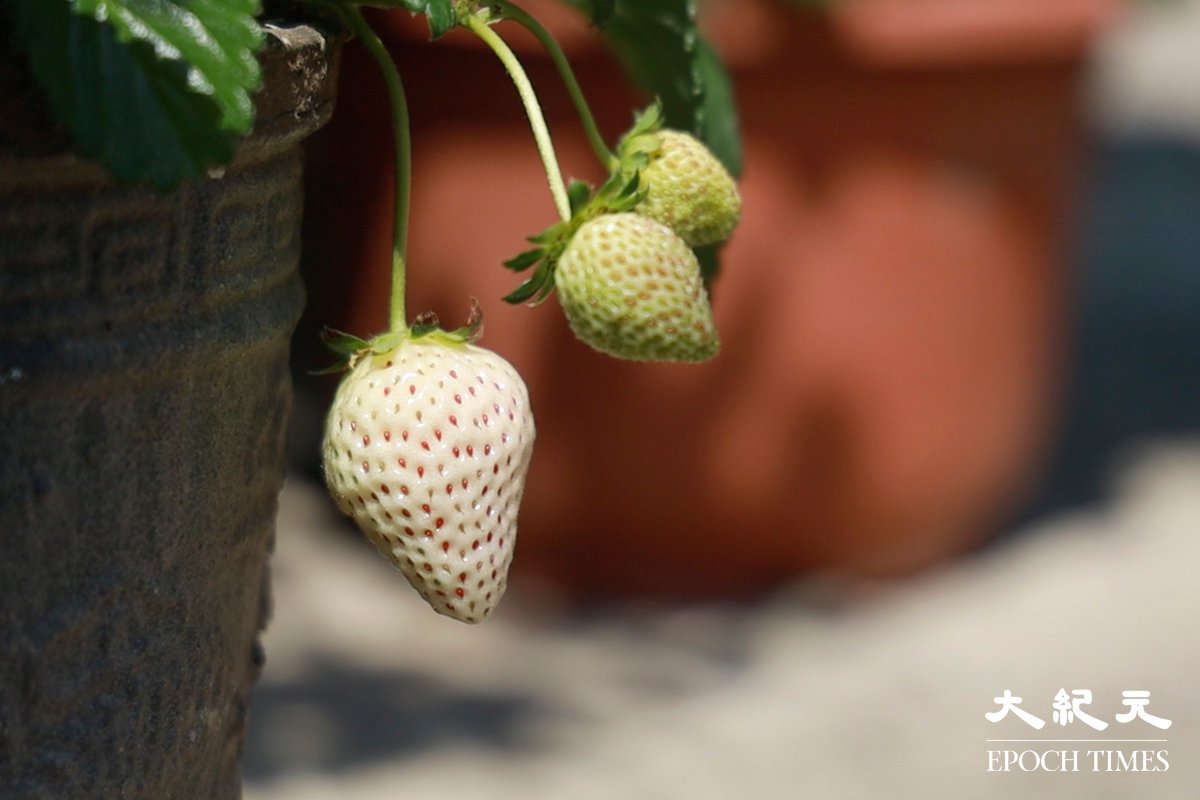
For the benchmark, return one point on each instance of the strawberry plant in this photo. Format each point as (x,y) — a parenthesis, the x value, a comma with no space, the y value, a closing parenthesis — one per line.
(430,435)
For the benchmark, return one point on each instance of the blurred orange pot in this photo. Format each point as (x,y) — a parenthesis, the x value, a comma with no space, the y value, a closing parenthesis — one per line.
(890,307)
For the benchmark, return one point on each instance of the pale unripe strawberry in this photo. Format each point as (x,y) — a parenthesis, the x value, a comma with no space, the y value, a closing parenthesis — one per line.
(426,447)
(689,190)
(631,288)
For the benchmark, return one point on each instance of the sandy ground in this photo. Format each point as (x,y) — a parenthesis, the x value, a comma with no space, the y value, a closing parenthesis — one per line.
(820,692)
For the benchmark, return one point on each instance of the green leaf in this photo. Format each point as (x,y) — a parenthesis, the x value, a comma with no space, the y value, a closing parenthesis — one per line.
(344,344)
(420,329)
(719,126)
(648,120)
(439,13)
(536,288)
(656,40)
(578,193)
(158,90)
(441,17)
(525,260)
(602,11)
(522,293)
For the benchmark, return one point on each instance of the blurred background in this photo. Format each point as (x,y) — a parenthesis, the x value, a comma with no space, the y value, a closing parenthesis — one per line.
(949,446)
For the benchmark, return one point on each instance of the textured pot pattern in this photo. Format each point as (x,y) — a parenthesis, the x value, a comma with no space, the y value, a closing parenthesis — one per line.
(144,392)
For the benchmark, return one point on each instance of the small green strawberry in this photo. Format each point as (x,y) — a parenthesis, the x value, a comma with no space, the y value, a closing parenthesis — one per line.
(426,447)
(689,190)
(631,288)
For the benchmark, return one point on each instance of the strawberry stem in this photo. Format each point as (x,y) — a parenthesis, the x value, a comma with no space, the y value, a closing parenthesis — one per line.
(401,142)
(527,21)
(537,121)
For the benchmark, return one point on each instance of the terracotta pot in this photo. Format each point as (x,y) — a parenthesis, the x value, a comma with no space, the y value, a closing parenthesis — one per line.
(144,392)
(890,306)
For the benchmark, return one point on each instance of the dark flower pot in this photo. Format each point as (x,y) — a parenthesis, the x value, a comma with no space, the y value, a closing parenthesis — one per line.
(144,392)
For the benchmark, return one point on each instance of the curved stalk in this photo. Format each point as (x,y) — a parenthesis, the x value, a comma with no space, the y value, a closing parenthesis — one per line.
(537,121)
(527,21)
(402,145)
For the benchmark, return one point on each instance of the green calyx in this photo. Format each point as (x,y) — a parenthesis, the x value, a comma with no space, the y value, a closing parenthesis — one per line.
(350,348)
(614,196)
(621,191)
(638,145)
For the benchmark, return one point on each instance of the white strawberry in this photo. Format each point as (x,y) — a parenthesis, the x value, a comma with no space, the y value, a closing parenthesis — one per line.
(426,447)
